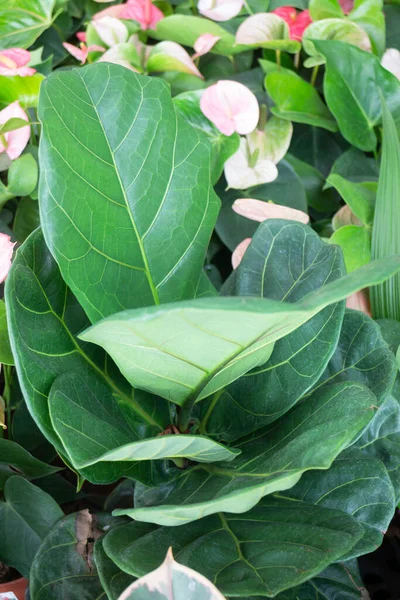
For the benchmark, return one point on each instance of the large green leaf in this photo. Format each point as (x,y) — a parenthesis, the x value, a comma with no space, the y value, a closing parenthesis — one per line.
(6,356)
(310,436)
(301,262)
(172,581)
(297,100)
(22,21)
(114,147)
(185,30)
(44,318)
(187,106)
(276,545)
(352,85)
(113,580)
(361,487)
(370,16)
(15,459)
(87,419)
(27,515)
(71,573)
(186,351)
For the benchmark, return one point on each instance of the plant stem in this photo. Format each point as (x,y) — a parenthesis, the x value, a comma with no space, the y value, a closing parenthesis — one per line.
(314,74)
(247,7)
(297,60)
(214,400)
(278,58)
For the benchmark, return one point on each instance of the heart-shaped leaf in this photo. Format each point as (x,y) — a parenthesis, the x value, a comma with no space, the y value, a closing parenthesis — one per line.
(22,21)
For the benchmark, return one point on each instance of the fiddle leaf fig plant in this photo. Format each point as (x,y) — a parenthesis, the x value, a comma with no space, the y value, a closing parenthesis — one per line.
(240,428)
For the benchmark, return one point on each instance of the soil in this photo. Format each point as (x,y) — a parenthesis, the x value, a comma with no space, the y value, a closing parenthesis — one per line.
(8,574)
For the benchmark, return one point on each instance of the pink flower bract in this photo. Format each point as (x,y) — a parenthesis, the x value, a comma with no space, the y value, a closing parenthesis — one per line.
(231,106)
(258,210)
(142,11)
(297,22)
(82,52)
(204,44)
(14,62)
(6,250)
(16,140)
(220,10)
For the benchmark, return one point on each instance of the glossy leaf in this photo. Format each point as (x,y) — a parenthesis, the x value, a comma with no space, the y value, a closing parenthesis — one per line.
(26,218)
(352,83)
(23,89)
(360,197)
(333,29)
(261,552)
(238,335)
(113,580)
(16,460)
(297,100)
(187,105)
(38,301)
(27,514)
(112,168)
(370,16)
(272,459)
(301,262)
(185,30)
(172,581)
(313,182)
(22,21)
(22,176)
(355,243)
(325,9)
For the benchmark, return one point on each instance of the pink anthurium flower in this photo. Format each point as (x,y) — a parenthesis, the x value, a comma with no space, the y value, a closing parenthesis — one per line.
(360,301)
(6,250)
(239,251)
(142,11)
(14,62)
(297,22)
(14,142)
(231,106)
(81,35)
(82,52)
(204,44)
(391,61)
(220,10)
(260,211)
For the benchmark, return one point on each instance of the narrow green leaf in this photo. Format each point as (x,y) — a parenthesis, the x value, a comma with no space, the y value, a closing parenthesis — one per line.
(385,299)
(141,179)
(272,459)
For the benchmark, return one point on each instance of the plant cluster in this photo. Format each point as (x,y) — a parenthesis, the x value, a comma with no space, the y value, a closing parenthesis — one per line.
(190,225)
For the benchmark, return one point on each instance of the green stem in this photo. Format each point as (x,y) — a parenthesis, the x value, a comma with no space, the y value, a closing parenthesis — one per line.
(7,397)
(184,415)
(262,121)
(297,60)
(214,400)
(247,7)
(278,58)
(314,74)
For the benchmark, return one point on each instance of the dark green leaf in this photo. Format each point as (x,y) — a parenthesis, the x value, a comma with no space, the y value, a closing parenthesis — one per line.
(26,218)
(145,179)
(27,515)
(276,545)
(6,356)
(315,146)
(313,182)
(22,176)
(15,459)
(113,580)
(272,459)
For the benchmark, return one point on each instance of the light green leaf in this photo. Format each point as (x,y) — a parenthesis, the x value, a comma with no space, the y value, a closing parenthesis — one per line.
(333,29)
(27,513)
(266,30)
(6,356)
(186,351)
(297,100)
(22,21)
(22,176)
(385,300)
(38,300)
(172,581)
(352,84)
(360,197)
(185,30)
(15,459)
(187,105)
(276,545)
(143,173)
(369,15)
(355,243)
(325,9)
(170,56)
(23,89)
(12,125)
(309,436)
(301,262)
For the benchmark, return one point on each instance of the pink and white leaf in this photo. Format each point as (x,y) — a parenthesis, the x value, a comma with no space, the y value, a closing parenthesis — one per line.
(231,106)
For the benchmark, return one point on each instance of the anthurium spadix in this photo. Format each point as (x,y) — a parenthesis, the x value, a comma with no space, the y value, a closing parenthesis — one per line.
(258,153)
(266,30)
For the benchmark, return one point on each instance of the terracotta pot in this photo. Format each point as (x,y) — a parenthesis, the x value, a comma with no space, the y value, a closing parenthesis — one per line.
(18,586)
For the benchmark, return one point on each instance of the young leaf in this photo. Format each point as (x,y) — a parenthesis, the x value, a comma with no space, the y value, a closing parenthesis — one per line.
(297,100)
(276,545)
(27,514)
(172,581)
(23,89)
(135,166)
(272,459)
(385,299)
